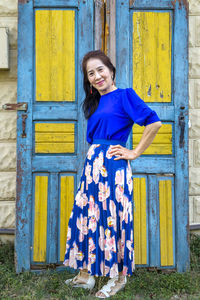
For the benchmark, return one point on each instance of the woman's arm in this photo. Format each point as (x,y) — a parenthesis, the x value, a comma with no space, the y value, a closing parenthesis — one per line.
(147,138)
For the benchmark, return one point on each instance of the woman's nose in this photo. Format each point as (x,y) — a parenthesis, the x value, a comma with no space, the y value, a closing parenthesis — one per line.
(97,75)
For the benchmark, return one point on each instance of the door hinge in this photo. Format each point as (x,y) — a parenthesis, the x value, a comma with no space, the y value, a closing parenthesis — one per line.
(15,106)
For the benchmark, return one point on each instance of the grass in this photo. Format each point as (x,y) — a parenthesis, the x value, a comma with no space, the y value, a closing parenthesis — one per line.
(143,285)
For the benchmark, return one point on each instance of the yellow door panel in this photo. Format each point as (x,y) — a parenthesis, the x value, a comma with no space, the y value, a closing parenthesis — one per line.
(55,55)
(152,56)
(166,231)
(66,205)
(40,219)
(140,225)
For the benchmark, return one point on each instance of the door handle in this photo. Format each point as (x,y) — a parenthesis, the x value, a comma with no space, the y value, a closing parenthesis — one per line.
(181,121)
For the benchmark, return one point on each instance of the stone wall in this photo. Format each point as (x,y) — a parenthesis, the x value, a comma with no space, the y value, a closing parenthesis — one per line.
(8,94)
(194,110)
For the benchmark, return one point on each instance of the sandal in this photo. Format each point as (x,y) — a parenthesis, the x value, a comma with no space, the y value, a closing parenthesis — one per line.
(106,289)
(76,282)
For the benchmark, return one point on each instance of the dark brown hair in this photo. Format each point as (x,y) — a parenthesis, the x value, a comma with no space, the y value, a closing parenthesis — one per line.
(91,101)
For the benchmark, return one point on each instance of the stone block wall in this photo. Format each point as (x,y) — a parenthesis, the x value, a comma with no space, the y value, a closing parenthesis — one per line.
(8,94)
(194,110)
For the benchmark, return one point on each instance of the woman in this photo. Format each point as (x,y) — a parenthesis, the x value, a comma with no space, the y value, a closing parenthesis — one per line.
(100,229)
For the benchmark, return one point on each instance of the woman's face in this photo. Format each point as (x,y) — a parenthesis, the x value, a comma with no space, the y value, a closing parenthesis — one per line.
(100,76)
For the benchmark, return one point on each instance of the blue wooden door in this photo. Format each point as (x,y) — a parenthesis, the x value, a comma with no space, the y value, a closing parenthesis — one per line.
(152,58)
(51,142)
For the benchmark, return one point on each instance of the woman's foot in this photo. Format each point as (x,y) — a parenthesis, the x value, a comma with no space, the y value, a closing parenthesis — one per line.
(83,279)
(113,286)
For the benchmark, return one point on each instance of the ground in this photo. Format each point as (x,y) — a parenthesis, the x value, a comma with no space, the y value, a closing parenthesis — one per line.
(143,285)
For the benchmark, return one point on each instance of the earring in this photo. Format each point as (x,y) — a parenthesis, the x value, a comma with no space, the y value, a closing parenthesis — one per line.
(90,89)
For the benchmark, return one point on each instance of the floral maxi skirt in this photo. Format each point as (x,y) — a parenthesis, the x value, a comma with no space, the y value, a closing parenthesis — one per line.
(100,228)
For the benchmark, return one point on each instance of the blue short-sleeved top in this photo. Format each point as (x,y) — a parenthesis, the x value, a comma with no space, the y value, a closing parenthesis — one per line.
(116,113)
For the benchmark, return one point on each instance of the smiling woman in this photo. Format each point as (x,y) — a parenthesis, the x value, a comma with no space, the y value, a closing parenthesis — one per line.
(100,229)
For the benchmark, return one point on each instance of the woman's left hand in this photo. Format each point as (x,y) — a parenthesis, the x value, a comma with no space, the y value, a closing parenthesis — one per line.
(122,152)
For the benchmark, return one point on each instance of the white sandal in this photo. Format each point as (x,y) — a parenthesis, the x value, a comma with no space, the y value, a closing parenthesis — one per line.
(107,288)
(89,284)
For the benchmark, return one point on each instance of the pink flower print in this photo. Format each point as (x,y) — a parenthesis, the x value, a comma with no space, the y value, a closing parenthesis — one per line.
(104,172)
(81,199)
(93,214)
(104,193)
(108,155)
(80,255)
(72,256)
(127,209)
(113,219)
(101,238)
(119,191)
(100,160)
(129,179)
(93,209)
(107,233)
(119,177)
(125,270)
(81,224)
(87,174)
(91,150)
(92,224)
(133,261)
(81,236)
(91,245)
(108,254)
(71,215)
(92,258)
(104,269)
(95,170)
(114,270)
(109,245)
(68,234)
(129,245)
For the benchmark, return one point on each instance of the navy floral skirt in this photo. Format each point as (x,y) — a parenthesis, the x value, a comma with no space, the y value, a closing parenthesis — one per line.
(100,228)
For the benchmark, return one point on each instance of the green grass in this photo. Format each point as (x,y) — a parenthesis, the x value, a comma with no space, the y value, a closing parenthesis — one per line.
(143,285)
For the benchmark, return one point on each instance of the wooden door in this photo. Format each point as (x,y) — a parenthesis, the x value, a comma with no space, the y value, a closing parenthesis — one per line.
(53,36)
(152,58)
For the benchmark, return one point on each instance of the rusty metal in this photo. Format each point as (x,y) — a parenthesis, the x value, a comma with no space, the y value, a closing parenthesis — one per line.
(181,120)
(100,25)
(17,106)
(181,3)
(23,1)
(24,117)
(131,2)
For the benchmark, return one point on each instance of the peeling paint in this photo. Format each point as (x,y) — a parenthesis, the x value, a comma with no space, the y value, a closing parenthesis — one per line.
(181,3)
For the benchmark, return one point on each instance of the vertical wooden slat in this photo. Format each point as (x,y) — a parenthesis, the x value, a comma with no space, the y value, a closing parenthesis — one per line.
(66,205)
(166,231)
(152,56)
(140,225)
(55,55)
(40,219)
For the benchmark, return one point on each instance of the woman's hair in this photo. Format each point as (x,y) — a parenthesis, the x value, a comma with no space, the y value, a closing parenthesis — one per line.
(91,101)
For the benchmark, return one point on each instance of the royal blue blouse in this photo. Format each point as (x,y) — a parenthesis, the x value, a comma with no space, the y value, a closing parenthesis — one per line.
(116,113)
